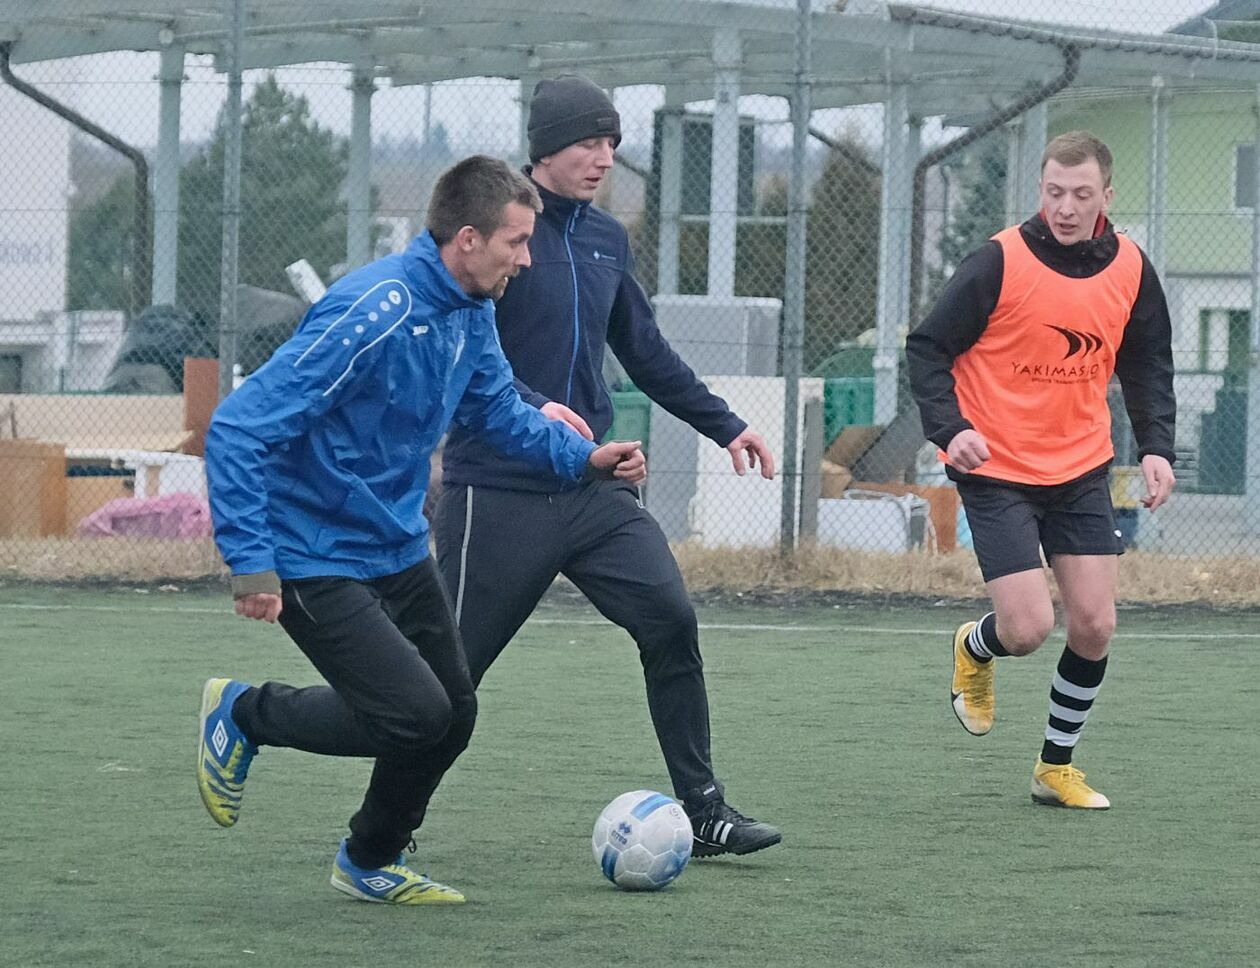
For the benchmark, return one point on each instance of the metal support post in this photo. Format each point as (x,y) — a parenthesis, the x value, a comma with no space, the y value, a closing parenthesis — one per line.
(166,179)
(1157,190)
(1252,470)
(359,175)
(724,168)
(894,249)
(671,192)
(794,281)
(230,269)
(1032,145)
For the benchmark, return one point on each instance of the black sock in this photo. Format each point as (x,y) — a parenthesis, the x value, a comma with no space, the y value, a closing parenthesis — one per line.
(1072,694)
(983,642)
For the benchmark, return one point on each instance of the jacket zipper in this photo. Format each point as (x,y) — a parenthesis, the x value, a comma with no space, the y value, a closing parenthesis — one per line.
(568,233)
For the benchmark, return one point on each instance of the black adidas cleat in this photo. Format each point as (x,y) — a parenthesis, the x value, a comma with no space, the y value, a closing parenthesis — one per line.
(721,829)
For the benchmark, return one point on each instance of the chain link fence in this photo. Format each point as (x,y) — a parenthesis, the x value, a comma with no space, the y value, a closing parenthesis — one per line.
(110,323)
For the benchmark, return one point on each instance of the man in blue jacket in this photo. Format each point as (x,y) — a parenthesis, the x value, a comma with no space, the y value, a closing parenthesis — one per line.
(318,466)
(505,529)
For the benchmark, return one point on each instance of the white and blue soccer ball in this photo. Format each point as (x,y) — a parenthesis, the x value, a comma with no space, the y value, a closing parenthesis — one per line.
(642,840)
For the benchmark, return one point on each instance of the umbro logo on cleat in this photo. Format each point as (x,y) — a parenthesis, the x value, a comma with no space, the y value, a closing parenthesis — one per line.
(219,739)
(379,882)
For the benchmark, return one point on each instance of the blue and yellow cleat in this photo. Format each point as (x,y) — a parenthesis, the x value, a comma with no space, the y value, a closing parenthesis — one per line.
(223,752)
(392,884)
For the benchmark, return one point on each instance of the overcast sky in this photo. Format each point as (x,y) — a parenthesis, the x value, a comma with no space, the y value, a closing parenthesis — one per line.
(1146,16)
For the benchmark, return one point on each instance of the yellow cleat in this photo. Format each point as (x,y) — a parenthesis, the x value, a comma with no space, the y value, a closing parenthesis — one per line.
(394,883)
(1063,785)
(971,693)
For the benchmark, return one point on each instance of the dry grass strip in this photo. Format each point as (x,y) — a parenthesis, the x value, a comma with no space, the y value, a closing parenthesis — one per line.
(1144,577)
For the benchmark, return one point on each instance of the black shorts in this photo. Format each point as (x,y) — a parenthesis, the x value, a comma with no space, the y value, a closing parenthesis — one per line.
(1011,524)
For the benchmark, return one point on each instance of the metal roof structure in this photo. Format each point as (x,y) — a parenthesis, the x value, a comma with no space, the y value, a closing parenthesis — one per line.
(1217,19)
(952,63)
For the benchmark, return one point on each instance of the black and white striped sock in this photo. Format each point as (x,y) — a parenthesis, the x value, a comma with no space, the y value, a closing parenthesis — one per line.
(982,641)
(1072,694)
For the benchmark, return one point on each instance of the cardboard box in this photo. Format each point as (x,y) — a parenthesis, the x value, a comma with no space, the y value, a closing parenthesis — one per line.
(87,494)
(201,396)
(835,480)
(99,422)
(852,443)
(32,488)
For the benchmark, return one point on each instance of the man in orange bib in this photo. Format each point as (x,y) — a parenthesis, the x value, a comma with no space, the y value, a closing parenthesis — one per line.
(1010,372)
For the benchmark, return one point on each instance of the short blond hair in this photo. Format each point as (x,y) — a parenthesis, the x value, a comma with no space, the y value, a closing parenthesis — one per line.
(1075,148)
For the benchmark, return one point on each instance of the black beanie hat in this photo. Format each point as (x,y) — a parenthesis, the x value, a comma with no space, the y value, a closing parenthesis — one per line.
(567,109)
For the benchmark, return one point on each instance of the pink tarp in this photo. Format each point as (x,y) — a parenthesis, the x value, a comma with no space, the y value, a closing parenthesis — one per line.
(169,516)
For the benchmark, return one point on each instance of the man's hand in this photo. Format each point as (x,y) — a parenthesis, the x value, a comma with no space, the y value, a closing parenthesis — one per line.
(753,445)
(968,450)
(260,605)
(1158,474)
(620,460)
(558,411)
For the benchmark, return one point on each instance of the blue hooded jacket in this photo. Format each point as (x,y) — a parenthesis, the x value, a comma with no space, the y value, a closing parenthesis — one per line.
(318,463)
(555,319)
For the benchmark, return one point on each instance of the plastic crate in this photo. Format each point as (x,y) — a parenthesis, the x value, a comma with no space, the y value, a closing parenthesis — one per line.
(632,417)
(847,401)
(1223,444)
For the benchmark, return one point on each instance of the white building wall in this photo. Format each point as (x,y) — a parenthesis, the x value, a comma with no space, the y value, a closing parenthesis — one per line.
(64,352)
(34,196)
(1197,379)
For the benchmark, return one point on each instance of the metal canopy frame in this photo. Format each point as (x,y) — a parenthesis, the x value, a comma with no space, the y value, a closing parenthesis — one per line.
(855,55)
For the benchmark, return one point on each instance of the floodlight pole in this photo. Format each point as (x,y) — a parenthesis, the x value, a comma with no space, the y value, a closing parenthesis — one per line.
(794,280)
(230,270)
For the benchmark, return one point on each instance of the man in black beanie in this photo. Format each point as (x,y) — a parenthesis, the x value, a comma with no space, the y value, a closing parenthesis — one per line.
(567,110)
(505,531)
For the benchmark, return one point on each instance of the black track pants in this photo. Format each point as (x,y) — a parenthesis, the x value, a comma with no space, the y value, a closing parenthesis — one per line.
(398,691)
(500,550)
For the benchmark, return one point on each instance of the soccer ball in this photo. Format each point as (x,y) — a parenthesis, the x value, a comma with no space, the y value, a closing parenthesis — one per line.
(642,840)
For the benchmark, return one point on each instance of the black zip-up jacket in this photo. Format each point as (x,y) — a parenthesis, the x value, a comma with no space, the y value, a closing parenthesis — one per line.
(554,321)
(1143,361)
